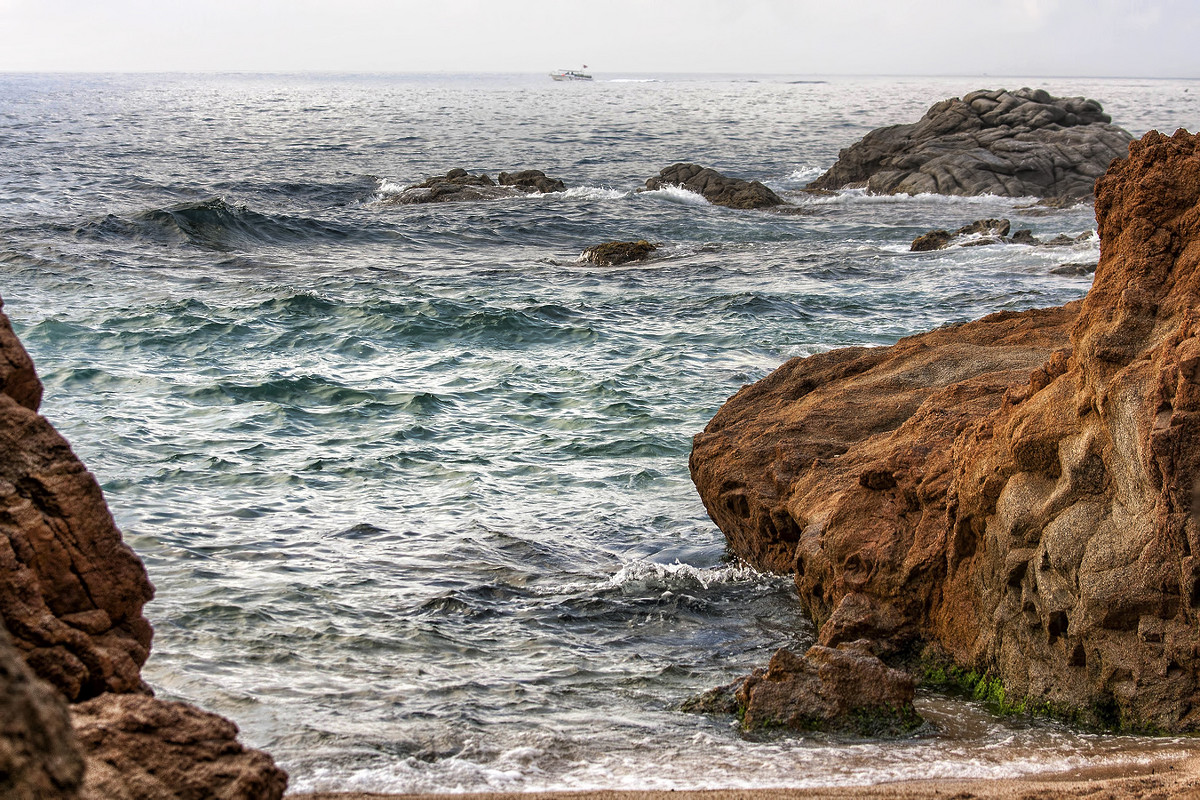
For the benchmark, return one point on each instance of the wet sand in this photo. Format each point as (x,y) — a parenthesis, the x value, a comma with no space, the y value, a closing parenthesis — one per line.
(1164,779)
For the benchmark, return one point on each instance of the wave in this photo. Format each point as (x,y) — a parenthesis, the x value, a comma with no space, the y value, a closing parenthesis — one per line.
(677,194)
(649,576)
(215,224)
(862,196)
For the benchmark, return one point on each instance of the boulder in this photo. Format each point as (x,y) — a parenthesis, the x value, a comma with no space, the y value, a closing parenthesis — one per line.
(715,187)
(141,748)
(611,254)
(1020,491)
(72,591)
(1013,144)
(844,689)
(458,185)
(532,180)
(39,756)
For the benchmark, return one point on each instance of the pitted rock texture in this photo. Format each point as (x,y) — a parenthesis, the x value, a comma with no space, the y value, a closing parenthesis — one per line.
(844,689)
(1035,517)
(39,757)
(458,185)
(715,187)
(1013,144)
(73,592)
(141,748)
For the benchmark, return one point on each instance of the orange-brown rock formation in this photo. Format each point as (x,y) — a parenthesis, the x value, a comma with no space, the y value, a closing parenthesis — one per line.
(1021,491)
(73,592)
(71,595)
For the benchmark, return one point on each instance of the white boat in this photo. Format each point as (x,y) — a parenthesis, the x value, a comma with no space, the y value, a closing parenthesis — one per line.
(571,75)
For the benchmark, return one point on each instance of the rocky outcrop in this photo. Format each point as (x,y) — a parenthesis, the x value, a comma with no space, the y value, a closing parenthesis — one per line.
(844,689)
(39,757)
(989,231)
(1013,144)
(1023,500)
(981,231)
(458,185)
(71,595)
(72,592)
(611,254)
(532,180)
(138,747)
(715,187)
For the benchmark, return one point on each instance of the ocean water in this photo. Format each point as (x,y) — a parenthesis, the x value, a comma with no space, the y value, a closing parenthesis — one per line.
(412,482)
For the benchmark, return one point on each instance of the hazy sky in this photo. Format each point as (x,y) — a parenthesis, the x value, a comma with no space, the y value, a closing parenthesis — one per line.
(1133,38)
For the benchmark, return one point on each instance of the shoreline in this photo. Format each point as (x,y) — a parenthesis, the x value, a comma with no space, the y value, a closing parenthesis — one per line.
(1167,778)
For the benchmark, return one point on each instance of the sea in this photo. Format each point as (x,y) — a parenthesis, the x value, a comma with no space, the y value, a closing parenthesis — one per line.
(411,480)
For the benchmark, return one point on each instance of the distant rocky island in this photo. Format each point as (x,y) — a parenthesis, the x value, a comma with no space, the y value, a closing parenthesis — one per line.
(1011,144)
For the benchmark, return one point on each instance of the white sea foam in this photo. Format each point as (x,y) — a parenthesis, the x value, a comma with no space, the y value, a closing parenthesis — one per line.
(857,196)
(594,193)
(677,194)
(805,174)
(680,575)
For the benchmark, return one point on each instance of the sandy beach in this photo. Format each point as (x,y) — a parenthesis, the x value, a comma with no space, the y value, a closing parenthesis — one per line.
(1165,779)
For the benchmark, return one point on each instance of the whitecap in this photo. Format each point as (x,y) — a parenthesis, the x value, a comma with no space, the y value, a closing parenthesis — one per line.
(679,575)
(678,194)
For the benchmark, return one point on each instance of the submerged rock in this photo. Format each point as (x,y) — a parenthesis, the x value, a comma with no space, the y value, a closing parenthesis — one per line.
(715,187)
(611,254)
(1019,491)
(991,231)
(1013,144)
(458,185)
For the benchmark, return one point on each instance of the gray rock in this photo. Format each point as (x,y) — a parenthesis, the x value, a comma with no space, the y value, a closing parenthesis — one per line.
(1013,144)
(715,187)
(458,185)
(993,230)
(532,180)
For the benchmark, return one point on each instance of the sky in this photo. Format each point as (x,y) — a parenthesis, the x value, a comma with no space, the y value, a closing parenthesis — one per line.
(1110,38)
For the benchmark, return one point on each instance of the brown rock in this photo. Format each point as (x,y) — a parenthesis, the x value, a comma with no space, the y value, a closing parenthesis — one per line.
(611,254)
(140,748)
(39,757)
(1042,524)
(934,240)
(715,187)
(830,689)
(72,592)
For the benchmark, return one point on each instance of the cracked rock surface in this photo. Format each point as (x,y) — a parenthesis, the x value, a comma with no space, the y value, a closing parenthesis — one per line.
(1019,492)
(1012,144)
